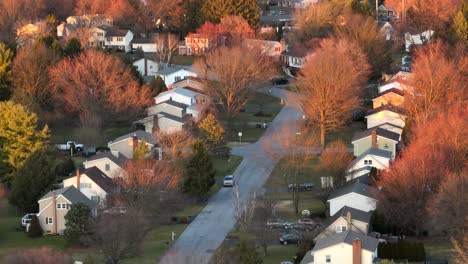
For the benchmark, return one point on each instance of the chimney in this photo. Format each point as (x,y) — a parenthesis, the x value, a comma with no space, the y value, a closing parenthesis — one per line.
(374,138)
(134,142)
(146,67)
(357,251)
(54,219)
(348,220)
(78,176)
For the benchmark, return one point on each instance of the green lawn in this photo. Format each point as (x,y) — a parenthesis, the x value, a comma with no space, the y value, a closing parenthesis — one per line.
(344,134)
(279,253)
(182,59)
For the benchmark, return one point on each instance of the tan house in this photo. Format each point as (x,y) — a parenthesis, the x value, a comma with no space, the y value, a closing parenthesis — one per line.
(55,205)
(194,84)
(125,144)
(266,47)
(110,163)
(198,44)
(392,96)
(345,219)
(29,32)
(375,137)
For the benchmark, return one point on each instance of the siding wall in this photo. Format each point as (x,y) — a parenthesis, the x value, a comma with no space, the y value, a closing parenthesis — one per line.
(353,200)
(114,169)
(341,254)
(49,212)
(364,144)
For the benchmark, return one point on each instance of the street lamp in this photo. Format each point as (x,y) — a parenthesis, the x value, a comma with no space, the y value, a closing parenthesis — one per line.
(240,137)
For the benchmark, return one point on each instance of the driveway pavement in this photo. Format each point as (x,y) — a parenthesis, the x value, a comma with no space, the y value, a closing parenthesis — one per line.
(208,230)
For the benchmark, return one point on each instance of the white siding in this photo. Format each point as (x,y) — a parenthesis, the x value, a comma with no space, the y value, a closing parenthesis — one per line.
(114,169)
(377,162)
(385,116)
(341,254)
(353,200)
(152,67)
(146,47)
(177,97)
(169,79)
(95,190)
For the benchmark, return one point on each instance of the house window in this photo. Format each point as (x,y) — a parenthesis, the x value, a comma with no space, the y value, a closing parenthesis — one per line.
(85,185)
(109,39)
(178,78)
(327,258)
(107,167)
(49,220)
(62,206)
(95,198)
(385,145)
(100,34)
(340,229)
(367,162)
(119,39)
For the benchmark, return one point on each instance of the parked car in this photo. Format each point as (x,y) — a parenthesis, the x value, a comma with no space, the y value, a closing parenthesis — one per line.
(280,81)
(116,210)
(277,223)
(26,220)
(228,181)
(298,226)
(291,231)
(290,239)
(306,221)
(70,144)
(302,187)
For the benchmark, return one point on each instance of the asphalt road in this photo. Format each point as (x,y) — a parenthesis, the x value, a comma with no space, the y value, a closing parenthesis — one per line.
(208,230)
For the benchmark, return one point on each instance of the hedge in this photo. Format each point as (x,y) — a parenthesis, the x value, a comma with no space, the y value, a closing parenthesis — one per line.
(411,251)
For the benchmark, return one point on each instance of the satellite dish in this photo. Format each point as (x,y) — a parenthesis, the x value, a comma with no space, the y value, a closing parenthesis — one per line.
(306,213)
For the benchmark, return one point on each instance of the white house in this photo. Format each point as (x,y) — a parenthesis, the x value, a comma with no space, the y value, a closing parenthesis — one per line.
(65,30)
(125,145)
(375,137)
(392,127)
(118,39)
(93,183)
(355,195)
(98,36)
(174,73)
(146,67)
(345,219)
(417,39)
(343,248)
(360,174)
(146,45)
(385,114)
(372,157)
(110,163)
(295,57)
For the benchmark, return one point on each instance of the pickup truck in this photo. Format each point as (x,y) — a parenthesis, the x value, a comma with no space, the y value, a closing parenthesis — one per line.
(67,146)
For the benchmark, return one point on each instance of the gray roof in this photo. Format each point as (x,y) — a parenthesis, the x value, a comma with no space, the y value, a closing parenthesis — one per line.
(355,187)
(356,214)
(368,243)
(71,194)
(390,124)
(140,134)
(379,131)
(387,107)
(373,152)
(106,154)
(175,118)
(101,179)
(173,103)
(173,68)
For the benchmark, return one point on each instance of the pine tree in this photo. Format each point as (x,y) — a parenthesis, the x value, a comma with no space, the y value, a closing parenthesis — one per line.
(77,222)
(19,137)
(32,180)
(35,229)
(73,47)
(157,86)
(141,151)
(199,176)
(6,58)
(214,10)
(460,26)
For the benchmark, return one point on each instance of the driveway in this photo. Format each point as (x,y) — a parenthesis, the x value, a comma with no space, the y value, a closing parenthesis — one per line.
(208,230)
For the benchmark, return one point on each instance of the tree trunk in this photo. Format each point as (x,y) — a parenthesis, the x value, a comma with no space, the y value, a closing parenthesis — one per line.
(322,136)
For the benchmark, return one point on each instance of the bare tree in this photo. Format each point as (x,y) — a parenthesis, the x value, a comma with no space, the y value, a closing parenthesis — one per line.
(263,212)
(175,145)
(166,45)
(97,87)
(38,256)
(231,77)
(330,83)
(243,210)
(461,247)
(335,158)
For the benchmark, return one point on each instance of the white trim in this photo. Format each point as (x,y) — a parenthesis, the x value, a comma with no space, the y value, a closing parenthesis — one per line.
(58,196)
(349,194)
(112,143)
(377,136)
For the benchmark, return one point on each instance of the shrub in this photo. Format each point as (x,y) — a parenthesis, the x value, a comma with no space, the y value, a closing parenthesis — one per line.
(35,229)
(65,167)
(411,251)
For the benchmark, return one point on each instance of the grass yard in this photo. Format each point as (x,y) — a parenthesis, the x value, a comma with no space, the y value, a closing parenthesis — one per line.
(344,134)
(278,253)
(310,171)
(182,59)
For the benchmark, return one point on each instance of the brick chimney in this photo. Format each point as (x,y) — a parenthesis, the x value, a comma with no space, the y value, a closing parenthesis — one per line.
(54,219)
(374,138)
(348,220)
(357,251)
(78,178)
(134,142)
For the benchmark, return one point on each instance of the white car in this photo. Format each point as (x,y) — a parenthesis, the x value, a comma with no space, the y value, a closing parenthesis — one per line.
(228,181)
(26,220)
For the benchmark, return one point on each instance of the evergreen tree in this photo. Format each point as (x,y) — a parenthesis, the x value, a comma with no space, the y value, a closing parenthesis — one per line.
(157,86)
(214,10)
(35,229)
(199,176)
(460,25)
(73,47)
(141,151)
(19,137)
(77,222)
(32,180)
(6,58)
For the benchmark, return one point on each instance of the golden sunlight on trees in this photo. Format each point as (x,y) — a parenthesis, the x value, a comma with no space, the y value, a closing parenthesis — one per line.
(97,87)
(335,158)
(330,84)
(211,130)
(215,10)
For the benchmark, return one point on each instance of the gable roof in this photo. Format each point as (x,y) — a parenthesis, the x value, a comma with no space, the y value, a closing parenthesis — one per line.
(71,194)
(372,152)
(355,187)
(140,134)
(182,120)
(389,124)
(100,178)
(173,69)
(367,243)
(379,131)
(356,214)
(120,160)
(116,32)
(181,91)
(387,107)
(173,103)
(391,90)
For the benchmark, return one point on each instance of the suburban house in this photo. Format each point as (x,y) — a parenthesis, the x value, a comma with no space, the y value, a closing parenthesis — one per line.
(98,36)
(266,47)
(29,32)
(65,30)
(355,195)
(304,3)
(93,183)
(392,127)
(372,157)
(173,73)
(198,44)
(294,57)
(385,114)
(375,137)
(394,84)
(384,13)
(91,20)
(391,96)
(109,163)
(190,83)
(387,30)
(345,219)
(118,39)
(146,45)
(146,67)
(54,206)
(173,109)
(348,247)
(126,144)
(399,76)
(359,174)
(417,39)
